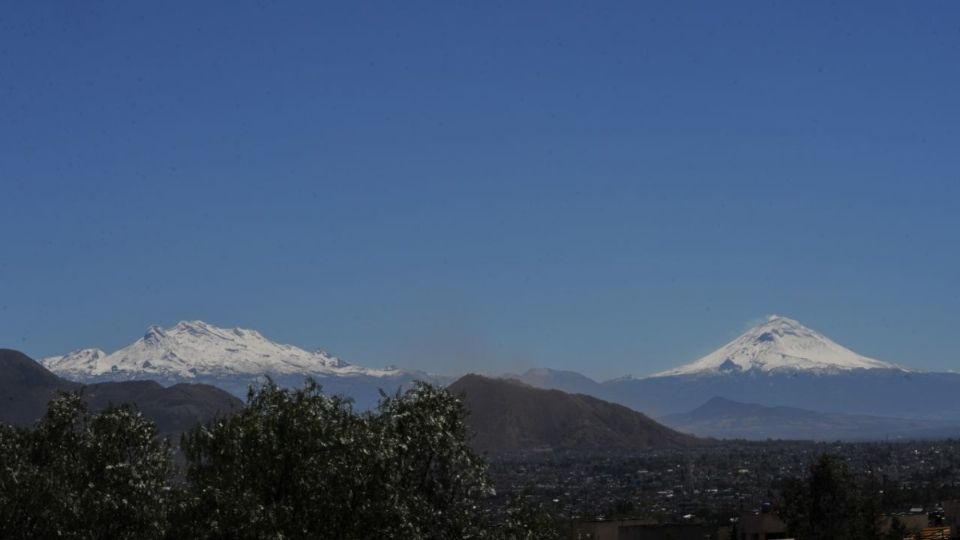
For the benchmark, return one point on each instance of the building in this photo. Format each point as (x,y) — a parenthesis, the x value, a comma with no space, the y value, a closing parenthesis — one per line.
(764,525)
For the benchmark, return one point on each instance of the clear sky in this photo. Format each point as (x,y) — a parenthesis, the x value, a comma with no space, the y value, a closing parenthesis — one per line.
(606,187)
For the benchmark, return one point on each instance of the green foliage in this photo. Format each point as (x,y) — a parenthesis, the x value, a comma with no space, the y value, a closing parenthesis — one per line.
(829,504)
(898,531)
(292,464)
(82,475)
(524,520)
(300,464)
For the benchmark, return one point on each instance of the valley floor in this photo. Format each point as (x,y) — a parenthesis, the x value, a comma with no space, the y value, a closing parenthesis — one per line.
(716,483)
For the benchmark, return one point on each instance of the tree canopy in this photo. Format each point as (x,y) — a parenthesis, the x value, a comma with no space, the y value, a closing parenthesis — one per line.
(829,503)
(292,464)
(83,475)
(304,464)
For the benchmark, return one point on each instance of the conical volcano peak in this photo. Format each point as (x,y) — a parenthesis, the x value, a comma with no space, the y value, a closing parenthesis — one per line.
(779,321)
(777,328)
(780,344)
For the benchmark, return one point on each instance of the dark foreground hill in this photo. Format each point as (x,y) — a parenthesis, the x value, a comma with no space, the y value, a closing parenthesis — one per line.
(724,418)
(508,415)
(26,387)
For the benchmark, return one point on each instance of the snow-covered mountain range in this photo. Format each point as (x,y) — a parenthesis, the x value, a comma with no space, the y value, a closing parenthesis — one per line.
(194,351)
(780,362)
(779,344)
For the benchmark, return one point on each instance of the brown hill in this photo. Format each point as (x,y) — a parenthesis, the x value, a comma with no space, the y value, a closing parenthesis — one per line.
(26,387)
(508,415)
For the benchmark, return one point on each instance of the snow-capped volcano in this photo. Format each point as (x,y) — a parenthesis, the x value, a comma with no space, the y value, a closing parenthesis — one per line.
(194,350)
(780,344)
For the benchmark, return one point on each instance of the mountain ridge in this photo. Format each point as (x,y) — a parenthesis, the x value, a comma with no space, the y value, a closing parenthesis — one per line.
(26,387)
(192,349)
(510,415)
(729,419)
(231,359)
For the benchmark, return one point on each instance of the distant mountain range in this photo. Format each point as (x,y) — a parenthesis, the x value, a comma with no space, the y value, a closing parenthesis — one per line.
(726,419)
(26,387)
(508,415)
(504,415)
(232,359)
(568,381)
(778,363)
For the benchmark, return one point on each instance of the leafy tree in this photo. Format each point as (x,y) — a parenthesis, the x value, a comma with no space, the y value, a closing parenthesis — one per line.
(83,475)
(429,468)
(293,464)
(300,464)
(828,504)
(15,477)
(898,531)
(523,520)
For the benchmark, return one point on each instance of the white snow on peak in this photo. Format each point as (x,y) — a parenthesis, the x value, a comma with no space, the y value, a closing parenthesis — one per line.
(780,344)
(81,359)
(193,349)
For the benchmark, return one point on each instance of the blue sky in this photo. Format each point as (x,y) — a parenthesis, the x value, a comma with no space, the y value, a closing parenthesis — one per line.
(607,187)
